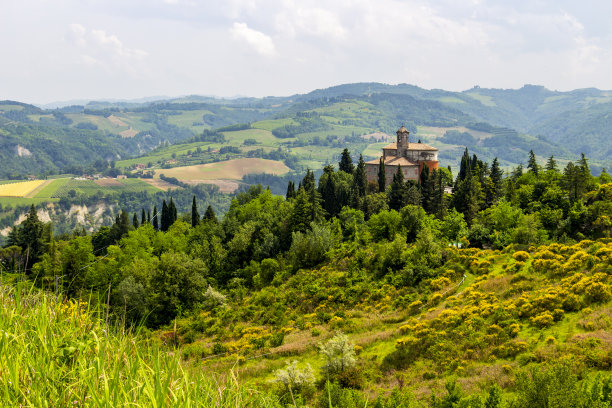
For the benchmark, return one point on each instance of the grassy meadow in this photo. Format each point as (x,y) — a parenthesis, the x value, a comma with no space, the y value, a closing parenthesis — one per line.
(63,354)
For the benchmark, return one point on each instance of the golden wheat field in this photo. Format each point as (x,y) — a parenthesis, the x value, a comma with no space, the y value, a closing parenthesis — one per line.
(20,189)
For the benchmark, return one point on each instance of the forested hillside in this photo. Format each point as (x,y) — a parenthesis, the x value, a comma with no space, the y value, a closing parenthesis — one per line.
(345,293)
(562,123)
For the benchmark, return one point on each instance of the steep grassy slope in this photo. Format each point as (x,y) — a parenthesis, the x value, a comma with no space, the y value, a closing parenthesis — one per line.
(481,318)
(61,354)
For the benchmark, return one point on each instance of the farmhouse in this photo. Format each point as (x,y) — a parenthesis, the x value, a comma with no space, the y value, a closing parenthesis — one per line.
(410,157)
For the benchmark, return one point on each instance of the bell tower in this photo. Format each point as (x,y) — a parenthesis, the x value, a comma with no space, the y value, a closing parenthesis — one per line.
(402,141)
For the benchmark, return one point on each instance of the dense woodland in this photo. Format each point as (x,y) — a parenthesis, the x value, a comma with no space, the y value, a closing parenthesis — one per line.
(336,249)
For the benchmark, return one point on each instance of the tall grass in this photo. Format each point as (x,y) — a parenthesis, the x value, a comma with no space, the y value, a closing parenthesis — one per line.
(57,353)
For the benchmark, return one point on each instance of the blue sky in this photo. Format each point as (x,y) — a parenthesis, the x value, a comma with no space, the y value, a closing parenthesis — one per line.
(91,49)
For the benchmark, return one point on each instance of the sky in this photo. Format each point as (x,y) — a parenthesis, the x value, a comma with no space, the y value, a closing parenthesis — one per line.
(57,50)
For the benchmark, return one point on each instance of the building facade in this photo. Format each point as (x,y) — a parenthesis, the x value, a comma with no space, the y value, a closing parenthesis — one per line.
(410,157)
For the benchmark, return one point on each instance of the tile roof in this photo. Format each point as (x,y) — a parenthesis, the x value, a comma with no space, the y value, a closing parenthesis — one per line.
(412,146)
(393,161)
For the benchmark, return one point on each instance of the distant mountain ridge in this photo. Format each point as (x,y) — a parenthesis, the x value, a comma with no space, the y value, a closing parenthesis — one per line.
(569,123)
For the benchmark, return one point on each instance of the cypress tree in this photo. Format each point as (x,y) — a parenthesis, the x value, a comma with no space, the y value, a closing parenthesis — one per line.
(427,189)
(143,217)
(165,217)
(397,195)
(382,180)
(121,227)
(210,215)
(135,221)
(346,163)
(195,216)
(439,205)
(328,194)
(148,216)
(360,180)
(464,167)
(155,219)
(290,190)
(173,213)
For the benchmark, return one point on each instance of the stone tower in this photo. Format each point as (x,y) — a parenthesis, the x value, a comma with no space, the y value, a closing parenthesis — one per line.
(402,142)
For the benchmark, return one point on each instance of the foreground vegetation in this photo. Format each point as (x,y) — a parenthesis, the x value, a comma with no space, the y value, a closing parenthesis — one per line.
(352,294)
(56,352)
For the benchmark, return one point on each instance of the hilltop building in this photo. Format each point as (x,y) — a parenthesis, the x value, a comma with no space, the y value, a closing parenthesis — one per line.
(410,157)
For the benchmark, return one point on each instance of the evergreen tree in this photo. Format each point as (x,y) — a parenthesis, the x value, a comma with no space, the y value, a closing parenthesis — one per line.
(532,164)
(316,212)
(290,190)
(413,194)
(494,184)
(551,164)
(29,236)
(148,216)
(165,217)
(427,189)
(346,163)
(155,219)
(210,215)
(327,186)
(577,179)
(382,181)
(299,220)
(467,197)
(308,182)
(604,177)
(143,217)
(585,172)
(397,195)
(464,167)
(121,227)
(517,172)
(173,212)
(360,180)
(195,216)
(135,221)
(438,204)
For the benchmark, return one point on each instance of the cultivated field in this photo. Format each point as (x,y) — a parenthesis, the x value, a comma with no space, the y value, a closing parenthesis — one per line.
(20,189)
(161,184)
(102,186)
(230,169)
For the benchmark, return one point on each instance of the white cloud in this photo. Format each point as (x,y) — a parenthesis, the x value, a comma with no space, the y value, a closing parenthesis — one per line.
(259,41)
(315,21)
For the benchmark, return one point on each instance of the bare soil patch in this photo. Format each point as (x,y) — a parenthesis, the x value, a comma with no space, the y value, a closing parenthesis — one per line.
(161,184)
(127,134)
(116,121)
